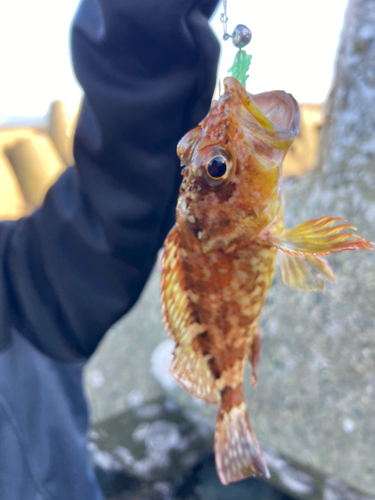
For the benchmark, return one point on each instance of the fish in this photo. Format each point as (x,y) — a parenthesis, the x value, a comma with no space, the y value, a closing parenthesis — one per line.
(219,258)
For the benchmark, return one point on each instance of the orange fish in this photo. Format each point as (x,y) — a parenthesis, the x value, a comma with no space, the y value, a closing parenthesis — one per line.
(220,257)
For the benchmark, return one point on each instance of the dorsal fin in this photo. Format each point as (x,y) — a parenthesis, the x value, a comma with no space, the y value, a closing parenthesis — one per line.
(190,366)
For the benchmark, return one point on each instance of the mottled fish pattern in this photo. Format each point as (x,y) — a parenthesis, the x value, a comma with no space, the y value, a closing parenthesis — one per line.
(220,257)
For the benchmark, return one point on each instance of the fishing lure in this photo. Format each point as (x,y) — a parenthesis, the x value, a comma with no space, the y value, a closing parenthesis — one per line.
(241,37)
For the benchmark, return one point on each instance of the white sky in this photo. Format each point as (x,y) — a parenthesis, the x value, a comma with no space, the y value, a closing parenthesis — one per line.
(293,48)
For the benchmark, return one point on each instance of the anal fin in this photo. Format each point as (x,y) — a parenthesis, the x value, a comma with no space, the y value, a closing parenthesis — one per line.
(253,355)
(190,370)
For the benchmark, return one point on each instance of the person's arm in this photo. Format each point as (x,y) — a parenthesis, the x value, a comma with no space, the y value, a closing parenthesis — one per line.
(76,265)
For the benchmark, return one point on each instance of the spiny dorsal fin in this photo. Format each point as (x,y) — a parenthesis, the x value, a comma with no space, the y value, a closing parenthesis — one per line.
(189,367)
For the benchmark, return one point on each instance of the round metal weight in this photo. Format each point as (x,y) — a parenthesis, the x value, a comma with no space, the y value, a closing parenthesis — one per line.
(241,36)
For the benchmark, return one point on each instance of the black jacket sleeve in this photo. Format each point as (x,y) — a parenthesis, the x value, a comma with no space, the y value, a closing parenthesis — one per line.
(77,264)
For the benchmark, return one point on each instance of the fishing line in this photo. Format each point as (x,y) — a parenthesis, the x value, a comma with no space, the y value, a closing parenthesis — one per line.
(241,37)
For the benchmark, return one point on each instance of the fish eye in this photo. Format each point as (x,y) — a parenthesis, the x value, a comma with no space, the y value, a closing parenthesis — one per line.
(216,167)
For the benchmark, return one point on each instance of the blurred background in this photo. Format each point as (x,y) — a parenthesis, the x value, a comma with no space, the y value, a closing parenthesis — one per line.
(314,408)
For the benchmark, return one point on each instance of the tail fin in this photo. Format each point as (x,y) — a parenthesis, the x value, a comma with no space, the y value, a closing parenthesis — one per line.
(237,452)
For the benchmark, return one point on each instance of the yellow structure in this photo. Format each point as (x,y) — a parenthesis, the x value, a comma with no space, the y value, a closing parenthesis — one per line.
(303,154)
(37,164)
(31,159)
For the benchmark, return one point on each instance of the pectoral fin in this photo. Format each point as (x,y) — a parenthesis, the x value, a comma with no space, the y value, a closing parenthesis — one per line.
(318,237)
(300,250)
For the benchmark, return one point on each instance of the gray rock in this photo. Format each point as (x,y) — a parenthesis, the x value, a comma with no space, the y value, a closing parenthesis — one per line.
(118,376)
(156,442)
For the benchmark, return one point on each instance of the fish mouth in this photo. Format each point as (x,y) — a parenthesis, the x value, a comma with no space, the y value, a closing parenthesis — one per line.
(271,116)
